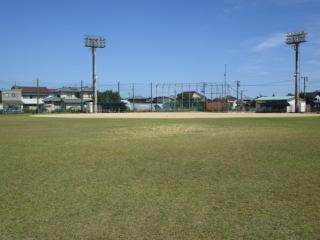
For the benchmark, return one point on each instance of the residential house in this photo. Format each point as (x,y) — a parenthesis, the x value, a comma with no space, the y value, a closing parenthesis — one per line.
(84,93)
(313,100)
(193,95)
(75,98)
(162,99)
(316,102)
(232,102)
(187,101)
(221,104)
(159,102)
(12,100)
(139,104)
(32,96)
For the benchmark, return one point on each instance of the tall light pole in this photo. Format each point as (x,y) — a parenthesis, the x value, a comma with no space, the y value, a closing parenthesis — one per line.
(294,39)
(225,86)
(94,43)
(37,95)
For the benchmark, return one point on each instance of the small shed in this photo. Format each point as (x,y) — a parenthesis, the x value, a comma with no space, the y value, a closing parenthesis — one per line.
(278,104)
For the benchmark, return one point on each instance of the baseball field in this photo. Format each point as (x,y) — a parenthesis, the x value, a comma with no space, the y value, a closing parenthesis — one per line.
(160,177)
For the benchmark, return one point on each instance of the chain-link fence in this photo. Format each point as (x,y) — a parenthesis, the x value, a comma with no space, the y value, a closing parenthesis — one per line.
(119,97)
(166,97)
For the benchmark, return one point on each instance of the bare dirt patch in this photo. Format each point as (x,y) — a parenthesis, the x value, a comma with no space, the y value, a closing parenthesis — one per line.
(177,115)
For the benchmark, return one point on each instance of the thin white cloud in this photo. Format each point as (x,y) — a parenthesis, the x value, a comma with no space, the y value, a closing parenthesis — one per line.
(270,42)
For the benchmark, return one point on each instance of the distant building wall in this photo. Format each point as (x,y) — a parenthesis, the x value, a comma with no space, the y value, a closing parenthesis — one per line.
(12,99)
(215,106)
(68,95)
(11,95)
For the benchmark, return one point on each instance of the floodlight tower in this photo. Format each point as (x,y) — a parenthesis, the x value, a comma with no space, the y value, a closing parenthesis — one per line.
(294,39)
(94,42)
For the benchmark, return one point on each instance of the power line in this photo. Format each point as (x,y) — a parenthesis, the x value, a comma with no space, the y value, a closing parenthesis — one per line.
(265,84)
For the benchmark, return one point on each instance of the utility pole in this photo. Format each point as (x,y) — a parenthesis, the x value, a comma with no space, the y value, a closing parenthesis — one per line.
(189,96)
(294,39)
(241,96)
(133,97)
(156,97)
(118,85)
(238,86)
(163,85)
(81,95)
(242,91)
(305,79)
(225,79)
(205,98)
(225,87)
(151,100)
(37,95)
(175,98)
(182,98)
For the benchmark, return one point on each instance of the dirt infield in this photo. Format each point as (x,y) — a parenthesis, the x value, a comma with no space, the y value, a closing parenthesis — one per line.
(177,115)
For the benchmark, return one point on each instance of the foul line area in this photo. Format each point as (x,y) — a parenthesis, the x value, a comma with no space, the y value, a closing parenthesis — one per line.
(175,115)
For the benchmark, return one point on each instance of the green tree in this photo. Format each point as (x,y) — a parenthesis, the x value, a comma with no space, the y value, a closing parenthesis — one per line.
(108,96)
(308,97)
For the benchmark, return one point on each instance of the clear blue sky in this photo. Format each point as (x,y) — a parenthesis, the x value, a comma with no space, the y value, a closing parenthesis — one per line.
(159,41)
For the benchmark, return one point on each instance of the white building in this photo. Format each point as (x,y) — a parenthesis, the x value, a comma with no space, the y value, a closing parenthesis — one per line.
(75,93)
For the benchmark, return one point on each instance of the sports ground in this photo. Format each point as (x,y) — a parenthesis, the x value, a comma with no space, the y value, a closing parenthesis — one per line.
(142,176)
(179,115)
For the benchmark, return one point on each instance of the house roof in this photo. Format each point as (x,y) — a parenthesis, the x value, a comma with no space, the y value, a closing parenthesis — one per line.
(72,101)
(313,94)
(52,99)
(231,98)
(28,89)
(166,97)
(138,97)
(190,94)
(74,89)
(275,98)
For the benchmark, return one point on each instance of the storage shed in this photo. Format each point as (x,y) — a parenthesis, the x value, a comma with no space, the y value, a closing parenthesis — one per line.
(278,104)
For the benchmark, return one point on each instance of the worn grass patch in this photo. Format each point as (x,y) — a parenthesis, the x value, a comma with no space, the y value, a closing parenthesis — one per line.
(159,179)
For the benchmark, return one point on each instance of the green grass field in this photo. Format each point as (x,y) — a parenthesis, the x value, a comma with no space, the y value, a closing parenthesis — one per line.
(159,179)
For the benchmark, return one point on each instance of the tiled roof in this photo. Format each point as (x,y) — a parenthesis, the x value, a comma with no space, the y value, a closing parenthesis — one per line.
(75,89)
(28,89)
(52,99)
(73,101)
(275,98)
